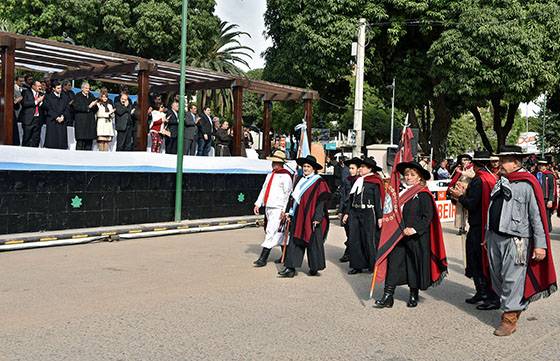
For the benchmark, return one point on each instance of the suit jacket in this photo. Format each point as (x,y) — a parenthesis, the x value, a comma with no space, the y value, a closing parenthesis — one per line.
(27,107)
(191,130)
(56,106)
(173,123)
(123,116)
(85,124)
(205,126)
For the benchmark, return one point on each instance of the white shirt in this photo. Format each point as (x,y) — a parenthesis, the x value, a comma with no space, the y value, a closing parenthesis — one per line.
(280,191)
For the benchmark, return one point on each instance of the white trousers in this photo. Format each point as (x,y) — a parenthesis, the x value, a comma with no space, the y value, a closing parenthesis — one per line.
(272,236)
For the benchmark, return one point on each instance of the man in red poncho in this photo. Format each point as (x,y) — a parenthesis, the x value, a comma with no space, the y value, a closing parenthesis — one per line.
(520,259)
(547,181)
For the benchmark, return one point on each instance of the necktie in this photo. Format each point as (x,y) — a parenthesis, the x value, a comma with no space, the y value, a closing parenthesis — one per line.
(36,105)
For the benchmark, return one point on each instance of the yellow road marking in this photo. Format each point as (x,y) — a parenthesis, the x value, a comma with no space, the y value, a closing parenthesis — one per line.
(135,231)
(17,241)
(80,236)
(48,239)
(160,229)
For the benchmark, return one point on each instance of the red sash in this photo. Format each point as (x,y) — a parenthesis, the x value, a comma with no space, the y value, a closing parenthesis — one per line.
(269,185)
(376,179)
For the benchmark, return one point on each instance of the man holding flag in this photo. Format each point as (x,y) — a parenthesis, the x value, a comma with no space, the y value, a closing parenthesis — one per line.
(411,249)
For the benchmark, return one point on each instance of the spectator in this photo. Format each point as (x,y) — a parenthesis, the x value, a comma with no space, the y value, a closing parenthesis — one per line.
(191,131)
(173,128)
(18,88)
(442,172)
(56,116)
(105,115)
(224,139)
(30,115)
(341,171)
(205,130)
(247,138)
(158,128)
(85,125)
(124,123)
(67,90)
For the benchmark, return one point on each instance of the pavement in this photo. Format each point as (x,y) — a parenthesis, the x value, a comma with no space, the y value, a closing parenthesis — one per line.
(197,297)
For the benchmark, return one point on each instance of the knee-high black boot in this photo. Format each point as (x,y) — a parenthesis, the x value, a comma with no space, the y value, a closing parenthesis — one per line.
(387,300)
(261,262)
(413,298)
(480,295)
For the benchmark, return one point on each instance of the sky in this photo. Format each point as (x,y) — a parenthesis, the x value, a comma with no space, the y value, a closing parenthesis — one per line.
(248,14)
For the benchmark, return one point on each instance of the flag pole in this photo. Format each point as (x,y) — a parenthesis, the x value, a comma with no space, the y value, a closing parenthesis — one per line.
(181,132)
(372,288)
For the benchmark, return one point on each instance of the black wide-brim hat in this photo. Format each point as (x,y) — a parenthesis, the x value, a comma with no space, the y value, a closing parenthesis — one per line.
(543,161)
(461,156)
(481,156)
(311,160)
(414,165)
(512,150)
(356,161)
(372,164)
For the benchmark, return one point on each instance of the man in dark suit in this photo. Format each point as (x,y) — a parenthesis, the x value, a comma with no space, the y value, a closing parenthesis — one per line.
(173,127)
(30,114)
(205,131)
(56,115)
(191,131)
(67,90)
(124,123)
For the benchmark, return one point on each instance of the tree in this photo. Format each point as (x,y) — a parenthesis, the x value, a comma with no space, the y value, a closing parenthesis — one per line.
(502,53)
(147,28)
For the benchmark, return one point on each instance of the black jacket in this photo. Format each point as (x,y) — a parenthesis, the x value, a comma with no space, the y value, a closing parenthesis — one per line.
(205,126)
(85,124)
(28,106)
(123,116)
(472,201)
(173,123)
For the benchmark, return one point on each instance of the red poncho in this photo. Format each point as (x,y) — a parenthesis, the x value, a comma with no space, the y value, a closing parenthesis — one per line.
(540,280)
(303,229)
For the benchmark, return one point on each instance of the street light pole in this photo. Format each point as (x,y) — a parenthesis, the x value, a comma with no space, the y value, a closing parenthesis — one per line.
(543,125)
(393,111)
(180,135)
(359,94)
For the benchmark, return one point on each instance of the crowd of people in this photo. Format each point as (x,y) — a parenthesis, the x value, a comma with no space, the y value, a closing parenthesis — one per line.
(99,120)
(507,208)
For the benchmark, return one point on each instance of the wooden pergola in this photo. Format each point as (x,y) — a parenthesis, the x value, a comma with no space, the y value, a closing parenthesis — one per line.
(65,61)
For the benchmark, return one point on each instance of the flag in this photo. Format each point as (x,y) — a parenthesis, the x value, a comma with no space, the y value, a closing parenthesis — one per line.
(392,217)
(303,147)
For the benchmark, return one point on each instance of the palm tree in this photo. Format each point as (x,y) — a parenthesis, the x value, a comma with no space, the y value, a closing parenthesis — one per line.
(6,25)
(223,54)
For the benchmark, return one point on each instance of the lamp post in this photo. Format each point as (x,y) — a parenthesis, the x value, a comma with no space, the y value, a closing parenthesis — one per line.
(180,135)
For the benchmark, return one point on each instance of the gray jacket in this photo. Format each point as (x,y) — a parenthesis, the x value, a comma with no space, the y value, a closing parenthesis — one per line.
(520,213)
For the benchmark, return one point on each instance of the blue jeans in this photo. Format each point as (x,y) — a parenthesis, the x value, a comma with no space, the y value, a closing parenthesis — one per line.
(203,147)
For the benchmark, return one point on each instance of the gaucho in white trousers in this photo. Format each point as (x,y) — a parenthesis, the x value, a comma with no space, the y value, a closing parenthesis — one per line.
(273,197)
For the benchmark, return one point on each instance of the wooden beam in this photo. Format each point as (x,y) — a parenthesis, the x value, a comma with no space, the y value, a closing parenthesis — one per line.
(308,106)
(143,105)
(238,119)
(267,112)
(7,70)
(96,71)
(197,85)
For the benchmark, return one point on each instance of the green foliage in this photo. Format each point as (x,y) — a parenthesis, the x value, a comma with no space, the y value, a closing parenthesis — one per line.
(146,28)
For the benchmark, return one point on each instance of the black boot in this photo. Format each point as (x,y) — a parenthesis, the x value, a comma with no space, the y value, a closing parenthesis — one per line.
(489,305)
(413,298)
(387,300)
(354,271)
(261,262)
(287,273)
(345,257)
(480,295)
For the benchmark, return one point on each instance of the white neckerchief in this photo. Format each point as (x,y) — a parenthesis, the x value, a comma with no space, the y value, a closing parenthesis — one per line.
(358,185)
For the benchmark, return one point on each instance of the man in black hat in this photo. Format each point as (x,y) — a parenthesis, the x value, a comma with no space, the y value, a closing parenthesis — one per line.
(548,187)
(309,220)
(518,242)
(352,165)
(365,215)
(476,199)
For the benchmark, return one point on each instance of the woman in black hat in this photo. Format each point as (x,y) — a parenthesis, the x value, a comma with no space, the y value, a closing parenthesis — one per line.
(365,215)
(309,219)
(418,259)
(353,165)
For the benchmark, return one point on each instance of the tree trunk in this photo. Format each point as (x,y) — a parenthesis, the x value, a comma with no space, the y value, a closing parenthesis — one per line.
(440,128)
(502,131)
(480,129)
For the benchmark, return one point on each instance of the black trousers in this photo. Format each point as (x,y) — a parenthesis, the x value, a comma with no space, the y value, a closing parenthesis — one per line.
(549,218)
(362,240)
(474,252)
(170,145)
(84,144)
(32,133)
(315,252)
(347,233)
(125,140)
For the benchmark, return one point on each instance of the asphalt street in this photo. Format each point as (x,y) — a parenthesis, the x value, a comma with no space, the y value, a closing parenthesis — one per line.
(197,297)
